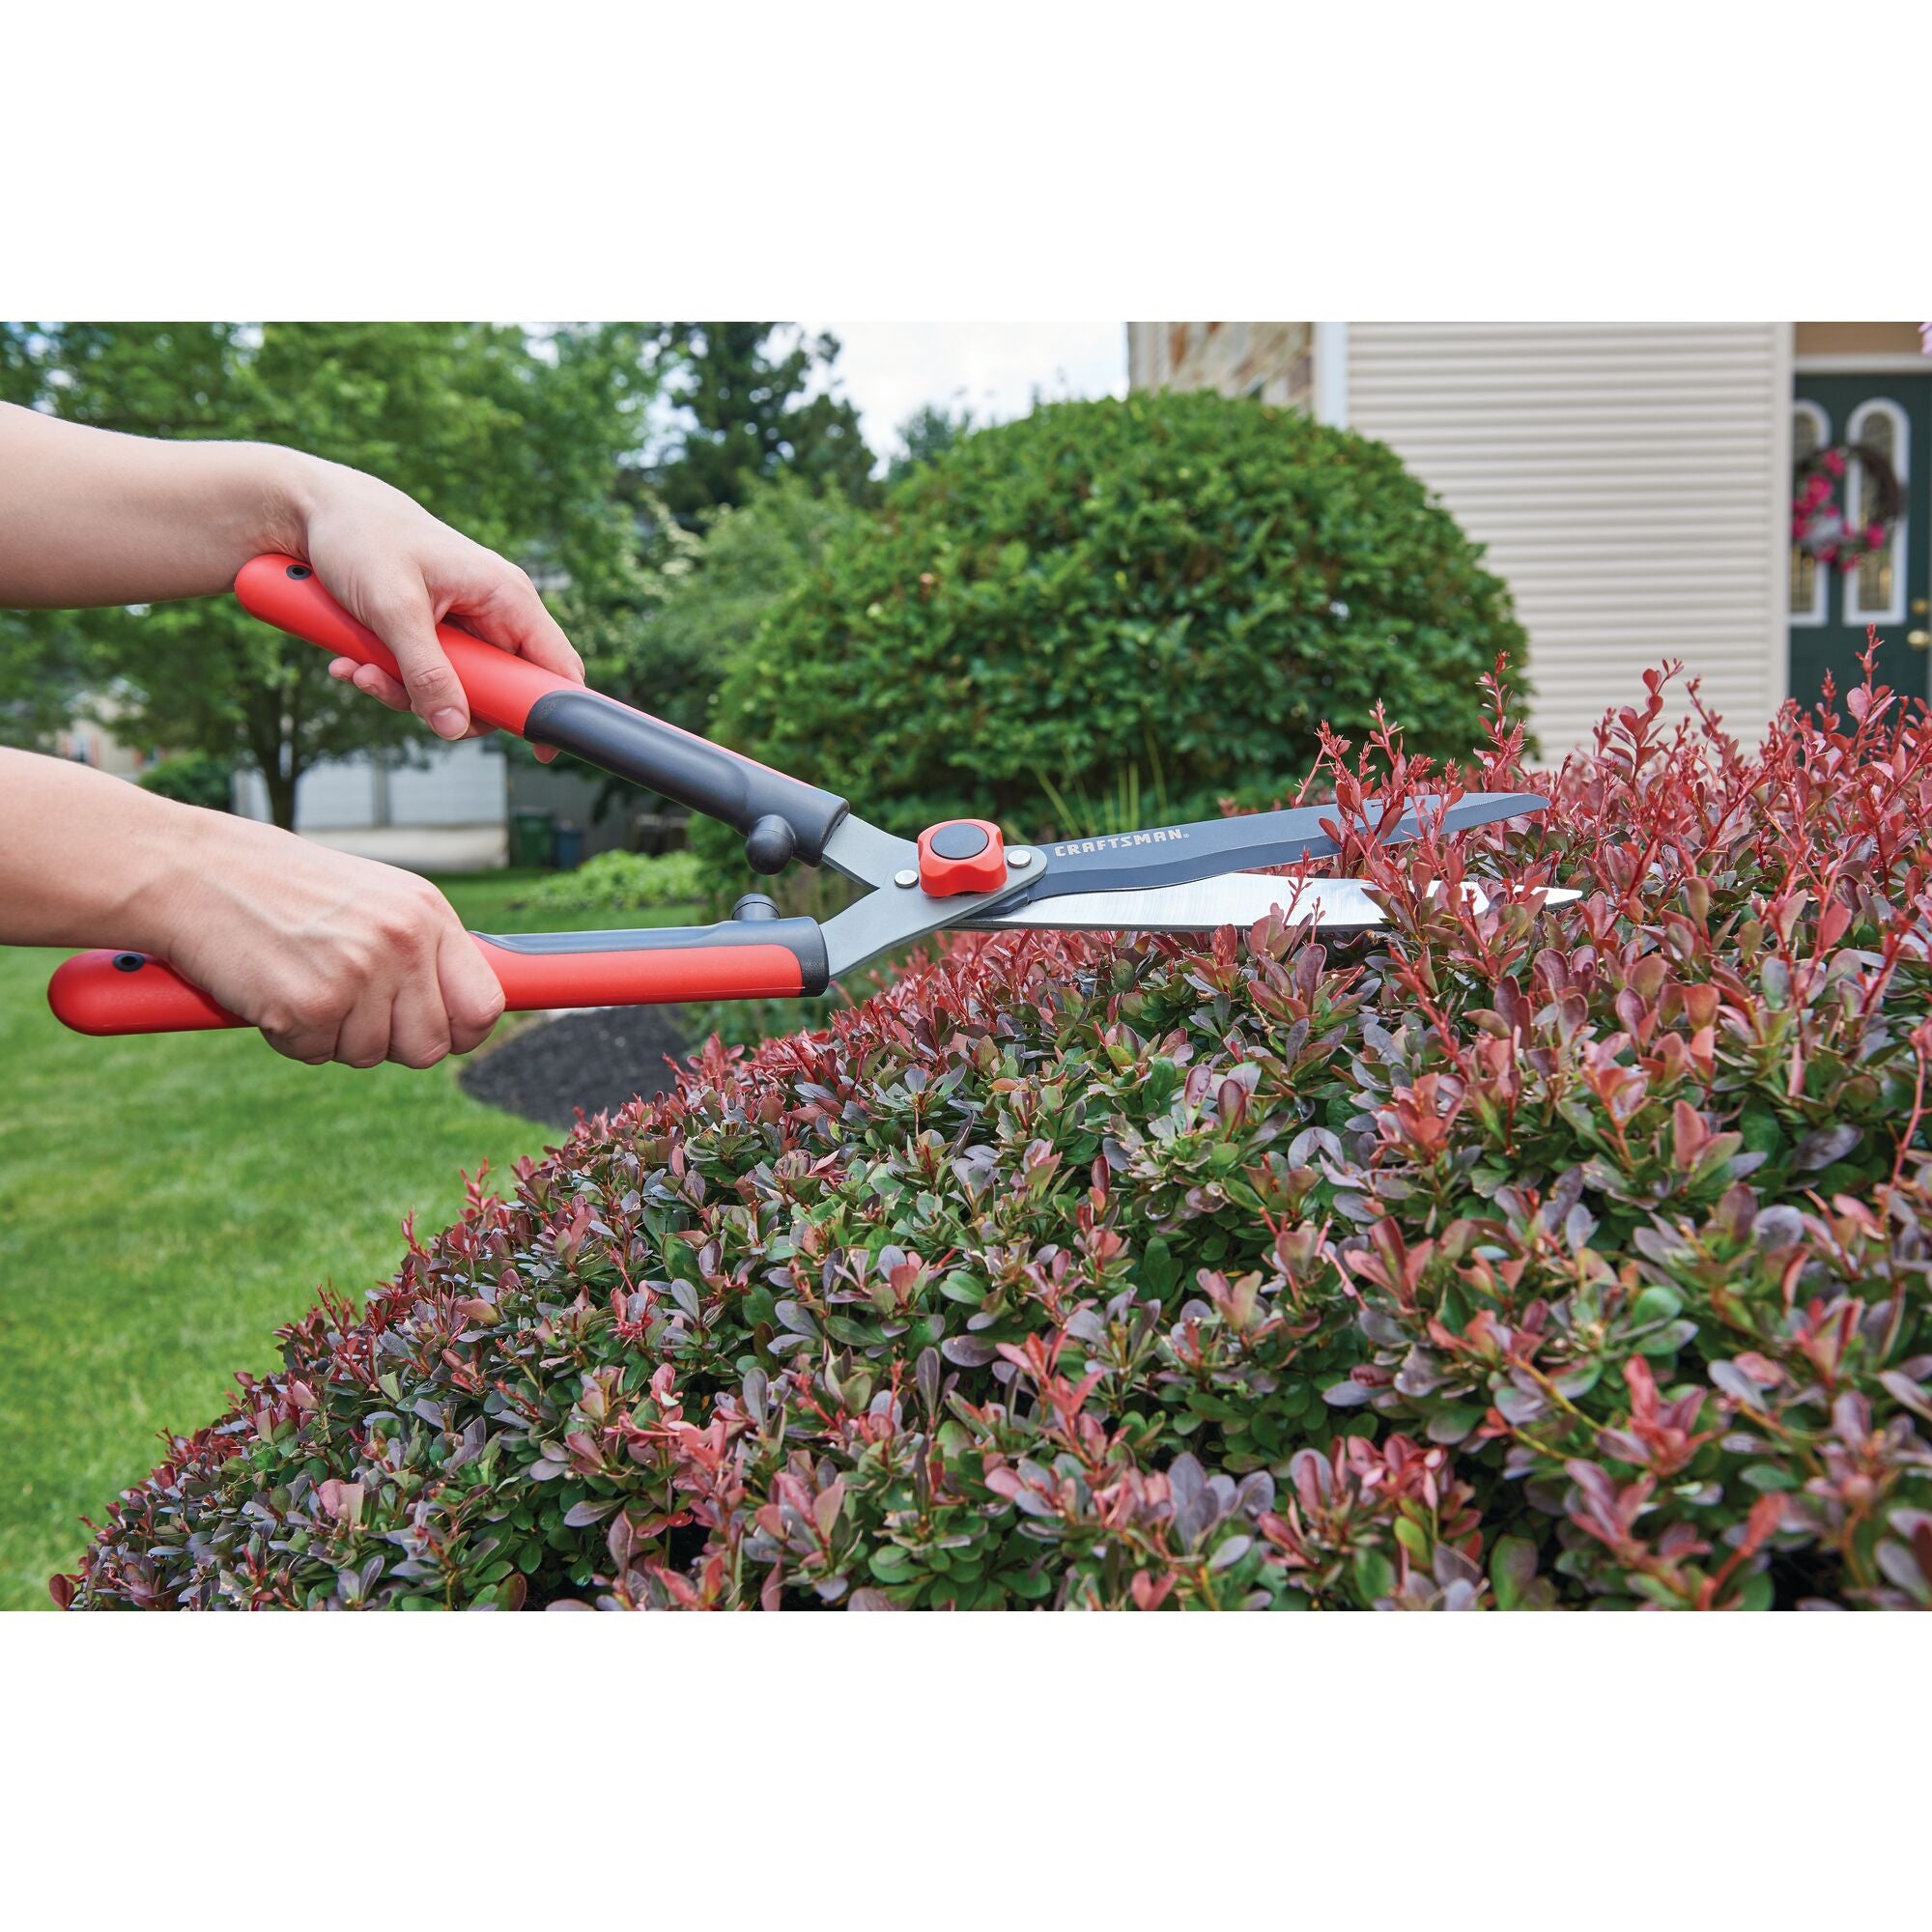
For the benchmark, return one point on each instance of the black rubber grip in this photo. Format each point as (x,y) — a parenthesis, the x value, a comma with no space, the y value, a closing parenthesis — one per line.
(693,771)
(802,938)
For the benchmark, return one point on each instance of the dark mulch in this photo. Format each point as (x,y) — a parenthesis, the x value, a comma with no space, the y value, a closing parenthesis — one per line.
(596,1060)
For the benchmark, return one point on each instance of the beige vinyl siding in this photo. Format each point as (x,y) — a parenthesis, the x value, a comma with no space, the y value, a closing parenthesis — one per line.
(1630,480)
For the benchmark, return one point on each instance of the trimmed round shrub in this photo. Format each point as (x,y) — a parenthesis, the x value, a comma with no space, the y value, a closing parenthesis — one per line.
(1519,1257)
(1165,595)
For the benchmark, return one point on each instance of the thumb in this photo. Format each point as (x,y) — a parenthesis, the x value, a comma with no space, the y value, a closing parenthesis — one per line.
(405,620)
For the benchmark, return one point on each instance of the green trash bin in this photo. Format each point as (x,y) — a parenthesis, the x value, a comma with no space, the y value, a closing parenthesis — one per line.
(529,839)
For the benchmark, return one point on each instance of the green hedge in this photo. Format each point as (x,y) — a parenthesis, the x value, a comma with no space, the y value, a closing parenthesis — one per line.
(623,882)
(1168,593)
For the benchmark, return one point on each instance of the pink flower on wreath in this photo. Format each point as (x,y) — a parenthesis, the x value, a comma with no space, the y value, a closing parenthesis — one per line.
(1835,462)
(1874,534)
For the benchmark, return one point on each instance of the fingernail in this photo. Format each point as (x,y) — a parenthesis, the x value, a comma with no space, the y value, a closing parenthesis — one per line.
(448,723)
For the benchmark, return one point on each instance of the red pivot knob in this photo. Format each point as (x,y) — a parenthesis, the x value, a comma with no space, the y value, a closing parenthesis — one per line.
(961,855)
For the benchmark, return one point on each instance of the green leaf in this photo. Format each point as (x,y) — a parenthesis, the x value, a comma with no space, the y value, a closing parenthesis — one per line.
(1156,1268)
(1657,1304)
(1374,1576)
(1512,1568)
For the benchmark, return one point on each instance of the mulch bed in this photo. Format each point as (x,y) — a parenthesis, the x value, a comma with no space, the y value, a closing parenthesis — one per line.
(595,1060)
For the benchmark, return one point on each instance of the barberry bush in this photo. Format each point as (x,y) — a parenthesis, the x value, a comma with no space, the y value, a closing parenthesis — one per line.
(1514,1258)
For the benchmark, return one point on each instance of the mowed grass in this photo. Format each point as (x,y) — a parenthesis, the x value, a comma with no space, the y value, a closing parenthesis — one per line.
(167,1204)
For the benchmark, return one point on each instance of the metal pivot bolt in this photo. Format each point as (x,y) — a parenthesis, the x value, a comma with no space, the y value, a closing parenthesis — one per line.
(1019,857)
(906,877)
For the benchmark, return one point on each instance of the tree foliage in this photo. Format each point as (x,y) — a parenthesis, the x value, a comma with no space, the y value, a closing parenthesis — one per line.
(1186,584)
(515,440)
(712,600)
(749,407)
(930,432)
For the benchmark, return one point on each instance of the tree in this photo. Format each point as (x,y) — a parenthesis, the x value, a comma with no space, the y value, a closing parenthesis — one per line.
(930,432)
(517,440)
(44,659)
(44,655)
(747,411)
(714,603)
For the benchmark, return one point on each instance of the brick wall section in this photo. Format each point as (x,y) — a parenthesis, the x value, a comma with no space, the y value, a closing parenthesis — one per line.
(1272,359)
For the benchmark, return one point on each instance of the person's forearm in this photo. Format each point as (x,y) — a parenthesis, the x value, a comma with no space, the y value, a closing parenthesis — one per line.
(332,956)
(89,517)
(90,860)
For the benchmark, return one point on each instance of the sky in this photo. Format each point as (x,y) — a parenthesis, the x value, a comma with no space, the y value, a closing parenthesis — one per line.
(888,369)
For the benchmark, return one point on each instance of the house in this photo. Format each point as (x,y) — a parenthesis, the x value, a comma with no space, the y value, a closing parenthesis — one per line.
(451,808)
(88,740)
(446,810)
(1633,483)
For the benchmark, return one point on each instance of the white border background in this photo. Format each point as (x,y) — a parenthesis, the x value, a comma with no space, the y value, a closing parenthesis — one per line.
(1050,161)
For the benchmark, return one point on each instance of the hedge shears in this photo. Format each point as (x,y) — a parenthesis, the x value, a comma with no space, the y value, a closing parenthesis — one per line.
(958,874)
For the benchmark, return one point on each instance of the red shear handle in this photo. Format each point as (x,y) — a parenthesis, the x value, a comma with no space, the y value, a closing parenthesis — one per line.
(502,687)
(781,817)
(129,992)
(742,959)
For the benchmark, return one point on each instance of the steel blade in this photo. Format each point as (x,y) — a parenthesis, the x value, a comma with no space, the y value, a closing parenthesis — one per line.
(1233,898)
(1173,855)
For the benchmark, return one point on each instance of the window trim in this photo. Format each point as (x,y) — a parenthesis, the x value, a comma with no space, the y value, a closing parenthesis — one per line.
(1893,611)
(1818,614)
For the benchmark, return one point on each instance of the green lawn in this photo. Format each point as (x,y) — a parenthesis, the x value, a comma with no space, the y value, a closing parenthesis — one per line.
(165,1203)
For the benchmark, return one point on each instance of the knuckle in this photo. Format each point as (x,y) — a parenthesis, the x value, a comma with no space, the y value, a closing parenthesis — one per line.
(396,612)
(401,928)
(310,1010)
(431,678)
(472,1018)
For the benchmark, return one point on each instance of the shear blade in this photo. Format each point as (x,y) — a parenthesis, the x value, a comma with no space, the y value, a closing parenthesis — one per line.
(1232,898)
(1176,854)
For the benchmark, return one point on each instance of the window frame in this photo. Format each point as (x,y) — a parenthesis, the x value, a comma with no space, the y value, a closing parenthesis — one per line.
(1818,614)
(1893,613)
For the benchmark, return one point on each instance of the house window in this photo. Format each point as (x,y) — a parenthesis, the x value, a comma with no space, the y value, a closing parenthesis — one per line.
(1811,431)
(1875,591)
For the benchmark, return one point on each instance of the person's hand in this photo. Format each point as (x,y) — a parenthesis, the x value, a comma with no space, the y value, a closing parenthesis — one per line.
(387,561)
(333,957)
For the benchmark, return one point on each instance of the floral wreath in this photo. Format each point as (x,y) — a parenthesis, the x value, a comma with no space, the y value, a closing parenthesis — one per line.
(1821,525)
